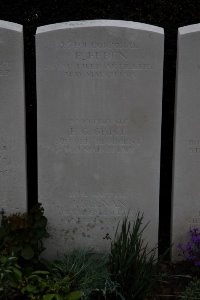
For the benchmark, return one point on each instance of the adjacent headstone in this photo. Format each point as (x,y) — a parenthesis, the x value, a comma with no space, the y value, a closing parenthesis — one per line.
(186,178)
(12,119)
(99,91)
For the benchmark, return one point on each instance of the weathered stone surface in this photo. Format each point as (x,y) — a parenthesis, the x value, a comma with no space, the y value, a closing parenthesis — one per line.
(99,90)
(186,184)
(12,119)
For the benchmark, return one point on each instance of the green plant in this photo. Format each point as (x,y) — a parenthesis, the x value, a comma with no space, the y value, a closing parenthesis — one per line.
(22,234)
(34,285)
(86,271)
(131,264)
(10,275)
(192,291)
(39,285)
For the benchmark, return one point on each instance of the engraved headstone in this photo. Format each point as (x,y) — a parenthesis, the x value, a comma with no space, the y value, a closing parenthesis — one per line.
(12,119)
(99,91)
(186,183)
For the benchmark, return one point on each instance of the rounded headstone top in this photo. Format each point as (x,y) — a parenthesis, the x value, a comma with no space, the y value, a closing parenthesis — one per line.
(11,26)
(99,23)
(189,29)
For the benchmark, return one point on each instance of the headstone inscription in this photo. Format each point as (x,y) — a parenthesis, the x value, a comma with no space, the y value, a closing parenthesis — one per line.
(99,91)
(12,119)
(186,187)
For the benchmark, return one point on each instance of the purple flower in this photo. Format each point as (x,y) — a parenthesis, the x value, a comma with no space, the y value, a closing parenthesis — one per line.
(188,246)
(191,257)
(179,246)
(195,239)
(191,250)
(194,230)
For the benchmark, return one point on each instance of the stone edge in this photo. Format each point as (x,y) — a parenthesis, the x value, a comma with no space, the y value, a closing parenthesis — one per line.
(189,29)
(100,23)
(10,26)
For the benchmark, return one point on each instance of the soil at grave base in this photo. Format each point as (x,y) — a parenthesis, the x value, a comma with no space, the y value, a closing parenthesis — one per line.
(174,279)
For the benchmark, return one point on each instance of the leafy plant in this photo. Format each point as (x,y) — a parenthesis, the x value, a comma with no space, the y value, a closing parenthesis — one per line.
(192,291)
(39,285)
(86,271)
(34,285)
(10,275)
(131,264)
(22,234)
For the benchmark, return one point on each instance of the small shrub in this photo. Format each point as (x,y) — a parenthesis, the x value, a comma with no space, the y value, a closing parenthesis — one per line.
(131,263)
(22,234)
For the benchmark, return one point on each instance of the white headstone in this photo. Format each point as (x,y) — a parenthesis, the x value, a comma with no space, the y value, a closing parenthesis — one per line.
(99,91)
(12,119)
(186,178)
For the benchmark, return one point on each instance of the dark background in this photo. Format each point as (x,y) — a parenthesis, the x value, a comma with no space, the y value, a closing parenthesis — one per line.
(169,14)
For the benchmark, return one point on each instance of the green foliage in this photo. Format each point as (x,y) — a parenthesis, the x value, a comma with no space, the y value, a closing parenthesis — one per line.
(38,284)
(10,275)
(86,271)
(131,264)
(22,234)
(129,270)
(192,291)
